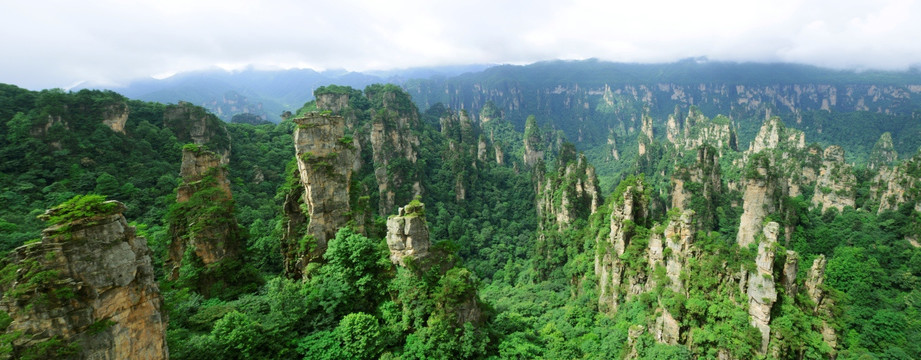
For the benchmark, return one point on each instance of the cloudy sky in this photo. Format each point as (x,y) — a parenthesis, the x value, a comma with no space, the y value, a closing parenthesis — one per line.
(59,43)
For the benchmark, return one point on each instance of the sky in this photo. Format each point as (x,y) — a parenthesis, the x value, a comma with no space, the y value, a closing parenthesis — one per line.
(47,44)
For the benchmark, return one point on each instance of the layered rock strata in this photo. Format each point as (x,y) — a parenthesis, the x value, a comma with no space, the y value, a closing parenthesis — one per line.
(203,222)
(407,234)
(609,267)
(87,287)
(324,163)
(761,290)
(836,184)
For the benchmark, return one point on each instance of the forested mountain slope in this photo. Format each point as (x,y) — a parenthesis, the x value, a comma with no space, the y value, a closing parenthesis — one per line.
(599,105)
(362,227)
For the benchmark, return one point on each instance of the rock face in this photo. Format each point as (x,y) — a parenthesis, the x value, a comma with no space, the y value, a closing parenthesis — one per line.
(631,261)
(394,142)
(668,249)
(198,163)
(678,239)
(467,149)
(89,284)
(612,142)
(698,130)
(790,268)
(331,101)
(883,153)
(115,116)
(704,177)
(897,185)
(324,162)
(835,186)
(193,124)
(383,126)
(777,164)
(204,221)
(646,137)
(823,304)
(407,234)
(773,134)
(609,267)
(761,285)
(481,154)
(757,201)
(533,143)
(571,194)
(500,156)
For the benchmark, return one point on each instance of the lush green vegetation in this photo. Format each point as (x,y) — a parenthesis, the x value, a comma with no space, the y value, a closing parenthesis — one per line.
(507,283)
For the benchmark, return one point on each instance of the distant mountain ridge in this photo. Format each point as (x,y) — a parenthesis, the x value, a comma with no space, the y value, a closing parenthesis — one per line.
(595,102)
(591,101)
(265,93)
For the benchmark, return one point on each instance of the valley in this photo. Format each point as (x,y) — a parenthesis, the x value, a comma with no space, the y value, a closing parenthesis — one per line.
(557,210)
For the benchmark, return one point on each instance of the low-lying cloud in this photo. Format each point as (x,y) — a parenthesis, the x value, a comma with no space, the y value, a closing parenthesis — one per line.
(59,43)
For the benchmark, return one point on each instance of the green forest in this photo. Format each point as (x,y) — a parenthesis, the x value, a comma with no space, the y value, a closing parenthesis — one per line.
(705,236)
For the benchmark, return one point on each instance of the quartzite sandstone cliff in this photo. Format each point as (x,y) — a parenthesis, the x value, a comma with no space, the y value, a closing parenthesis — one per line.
(89,286)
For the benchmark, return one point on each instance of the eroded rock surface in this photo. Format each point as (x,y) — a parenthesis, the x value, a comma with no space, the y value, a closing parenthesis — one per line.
(761,285)
(204,221)
(408,234)
(325,160)
(89,284)
(835,186)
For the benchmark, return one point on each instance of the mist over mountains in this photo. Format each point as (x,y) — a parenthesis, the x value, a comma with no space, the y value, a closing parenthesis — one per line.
(560,210)
(265,93)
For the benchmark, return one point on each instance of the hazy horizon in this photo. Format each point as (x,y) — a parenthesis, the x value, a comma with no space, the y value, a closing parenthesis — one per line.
(60,44)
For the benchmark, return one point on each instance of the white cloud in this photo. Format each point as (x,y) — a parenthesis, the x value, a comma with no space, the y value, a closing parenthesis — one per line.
(57,43)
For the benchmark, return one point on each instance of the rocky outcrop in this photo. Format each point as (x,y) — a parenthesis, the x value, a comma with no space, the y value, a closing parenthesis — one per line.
(467,149)
(203,222)
(646,137)
(294,231)
(894,186)
(393,141)
(790,268)
(458,127)
(533,143)
(500,156)
(671,250)
(794,163)
(193,124)
(666,329)
(631,207)
(815,279)
(679,237)
(570,194)
(697,130)
(883,153)
(668,249)
(758,200)
(332,101)
(612,142)
(407,234)
(777,164)
(198,163)
(773,134)
(761,285)
(324,161)
(85,291)
(481,154)
(836,184)
(489,112)
(618,98)
(699,180)
(115,116)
